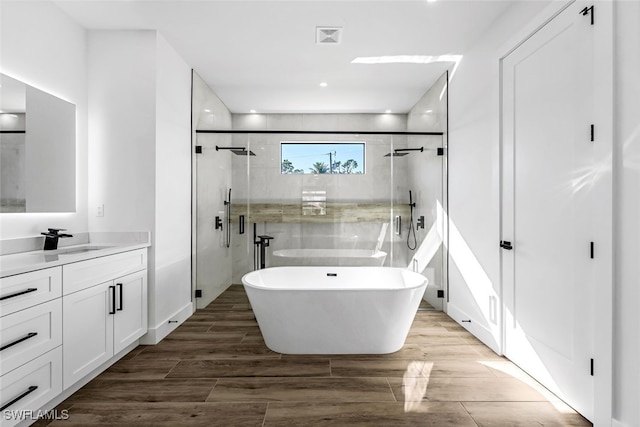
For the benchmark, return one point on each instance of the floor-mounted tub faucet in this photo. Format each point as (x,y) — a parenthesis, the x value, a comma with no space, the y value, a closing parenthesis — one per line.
(51,238)
(263,243)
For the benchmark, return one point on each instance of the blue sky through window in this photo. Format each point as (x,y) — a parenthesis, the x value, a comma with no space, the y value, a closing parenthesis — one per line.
(303,156)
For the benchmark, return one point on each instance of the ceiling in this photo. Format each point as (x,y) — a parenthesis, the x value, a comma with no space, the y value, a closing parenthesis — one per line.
(262,55)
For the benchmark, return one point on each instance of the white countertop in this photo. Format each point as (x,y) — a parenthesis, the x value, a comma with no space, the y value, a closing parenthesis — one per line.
(25,262)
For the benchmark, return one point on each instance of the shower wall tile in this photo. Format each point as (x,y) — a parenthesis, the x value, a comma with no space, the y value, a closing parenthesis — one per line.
(285,121)
(213,179)
(321,122)
(249,121)
(426,175)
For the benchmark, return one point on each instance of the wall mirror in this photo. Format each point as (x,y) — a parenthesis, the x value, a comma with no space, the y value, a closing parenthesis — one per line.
(37,150)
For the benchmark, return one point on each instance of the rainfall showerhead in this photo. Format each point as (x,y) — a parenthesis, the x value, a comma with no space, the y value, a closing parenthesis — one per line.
(238,151)
(243,152)
(399,152)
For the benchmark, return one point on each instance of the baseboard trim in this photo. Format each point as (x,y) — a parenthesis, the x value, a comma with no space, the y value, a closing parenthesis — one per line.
(156,334)
(474,327)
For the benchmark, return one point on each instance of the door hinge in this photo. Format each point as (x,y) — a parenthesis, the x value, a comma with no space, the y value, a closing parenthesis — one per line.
(198,293)
(588,11)
(593,133)
(440,151)
(198,149)
(591,367)
(592,250)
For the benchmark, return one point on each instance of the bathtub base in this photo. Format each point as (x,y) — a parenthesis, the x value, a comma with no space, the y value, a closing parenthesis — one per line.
(342,321)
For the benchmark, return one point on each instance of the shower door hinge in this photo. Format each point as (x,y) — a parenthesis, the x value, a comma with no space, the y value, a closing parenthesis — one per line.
(505,244)
(198,293)
(198,149)
(591,367)
(440,151)
(588,11)
(593,133)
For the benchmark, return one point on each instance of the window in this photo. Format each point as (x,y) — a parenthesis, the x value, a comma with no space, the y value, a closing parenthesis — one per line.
(322,157)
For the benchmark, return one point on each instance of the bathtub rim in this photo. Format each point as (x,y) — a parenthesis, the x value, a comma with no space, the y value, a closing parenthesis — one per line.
(423,280)
(283,253)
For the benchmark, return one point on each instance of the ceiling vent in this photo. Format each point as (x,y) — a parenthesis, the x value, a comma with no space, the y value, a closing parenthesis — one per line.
(328,35)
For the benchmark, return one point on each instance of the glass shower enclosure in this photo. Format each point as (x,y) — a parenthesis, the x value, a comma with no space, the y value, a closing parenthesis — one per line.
(308,198)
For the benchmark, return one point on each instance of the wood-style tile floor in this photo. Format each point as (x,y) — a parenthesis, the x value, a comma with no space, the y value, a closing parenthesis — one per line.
(215,370)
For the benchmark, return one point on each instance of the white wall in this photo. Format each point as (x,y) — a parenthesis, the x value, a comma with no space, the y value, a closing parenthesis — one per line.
(139,92)
(173,183)
(122,130)
(211,183)
(626,349)
(44,48)
(473,149)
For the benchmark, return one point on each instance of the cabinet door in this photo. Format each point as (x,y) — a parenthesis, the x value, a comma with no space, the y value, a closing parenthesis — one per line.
(87,330)
(130,321)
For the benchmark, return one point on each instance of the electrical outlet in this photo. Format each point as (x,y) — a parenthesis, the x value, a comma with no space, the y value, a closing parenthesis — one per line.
(100,210)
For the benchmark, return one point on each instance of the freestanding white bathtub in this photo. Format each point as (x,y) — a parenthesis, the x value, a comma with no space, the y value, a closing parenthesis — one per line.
(334,310)
(317,257)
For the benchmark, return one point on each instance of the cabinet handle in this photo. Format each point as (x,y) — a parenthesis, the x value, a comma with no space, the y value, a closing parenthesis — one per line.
(112,303)
(19,340)
(121,298)
(26,291)
(30,390)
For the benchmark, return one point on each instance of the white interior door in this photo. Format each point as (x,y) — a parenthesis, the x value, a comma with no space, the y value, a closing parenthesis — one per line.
(547,198)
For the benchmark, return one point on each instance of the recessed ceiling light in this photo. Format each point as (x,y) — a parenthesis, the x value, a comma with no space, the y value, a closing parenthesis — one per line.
(428,111)
(252,111)
(324,84)
(207,111)
(387,111)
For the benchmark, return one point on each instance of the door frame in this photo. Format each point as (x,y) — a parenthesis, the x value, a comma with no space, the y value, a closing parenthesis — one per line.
(603,113)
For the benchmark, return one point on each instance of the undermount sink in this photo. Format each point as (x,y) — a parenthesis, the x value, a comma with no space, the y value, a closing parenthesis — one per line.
(79,250)
(72,251)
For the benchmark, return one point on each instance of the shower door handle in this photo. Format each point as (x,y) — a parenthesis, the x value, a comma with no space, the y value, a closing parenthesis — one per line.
(398,225)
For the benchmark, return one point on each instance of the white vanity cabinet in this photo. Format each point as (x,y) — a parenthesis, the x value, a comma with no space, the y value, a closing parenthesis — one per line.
(104,310)
(65,316)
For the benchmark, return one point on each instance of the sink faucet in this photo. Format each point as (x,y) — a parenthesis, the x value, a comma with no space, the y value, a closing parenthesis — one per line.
(51,238)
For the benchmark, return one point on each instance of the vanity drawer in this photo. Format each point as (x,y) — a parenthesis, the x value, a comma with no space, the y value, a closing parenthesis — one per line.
(29,333)
(25,290)
(30,386)
(83,274)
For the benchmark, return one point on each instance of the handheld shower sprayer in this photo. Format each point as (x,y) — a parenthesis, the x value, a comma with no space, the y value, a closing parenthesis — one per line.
(412,229)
